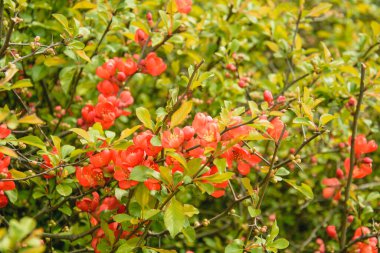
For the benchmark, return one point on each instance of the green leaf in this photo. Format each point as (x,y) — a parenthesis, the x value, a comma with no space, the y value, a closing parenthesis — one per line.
(221,164)
(142,173)
(303,188)
(282,172)
(33,141)
(193,166)
(164,18)
(325,118)
(142,195)
(63,21)
(253,212)
(174,217)
(280,243)
(274,232)
(218,178)
(189,234)
(303,121)
(190,210)
(235,247)
(64,189)
(144,116)
(247,185)
(180,115)
(24,83)
(110,236)
(179,158)
(155,141)
(120,218)
(150,213)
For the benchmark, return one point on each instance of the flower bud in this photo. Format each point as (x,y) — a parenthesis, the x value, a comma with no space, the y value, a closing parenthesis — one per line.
(331,231)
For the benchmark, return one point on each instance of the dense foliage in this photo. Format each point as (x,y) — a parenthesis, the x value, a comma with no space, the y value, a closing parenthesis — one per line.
(189,126)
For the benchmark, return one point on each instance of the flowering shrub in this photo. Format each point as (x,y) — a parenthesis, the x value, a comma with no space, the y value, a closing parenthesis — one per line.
(189,126)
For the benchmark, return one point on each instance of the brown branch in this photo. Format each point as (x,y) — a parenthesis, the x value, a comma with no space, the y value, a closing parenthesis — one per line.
(28,112)
(39,174)
(69,237)
(304,143)
(36,52)
(359,239)
(4,48)
(75,80)
(352,160)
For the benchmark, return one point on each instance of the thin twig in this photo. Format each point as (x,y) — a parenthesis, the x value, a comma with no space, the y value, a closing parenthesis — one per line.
(352,160)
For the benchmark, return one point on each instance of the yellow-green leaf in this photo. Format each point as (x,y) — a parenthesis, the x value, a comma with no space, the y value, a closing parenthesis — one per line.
(180,115)
(127,132)
(7,151)
(319,10)
(144,116)
(84,5)
(31,119)
(82,133)
(83,55)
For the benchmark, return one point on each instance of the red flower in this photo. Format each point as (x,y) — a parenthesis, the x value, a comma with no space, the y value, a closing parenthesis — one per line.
(236,132)
(184,6)
(153,65)
(361,170)
(105,113)
(130,157)
(188,132)
(128,67)
(5,174)
(4,131)
(89,176)
(276,130)
(207,129)
(142,140)
(141,37)
(108,88)
(368,246)
(333,188)
(362,146)
(107,70)
(322,247)
(3,200)
(101,159)
(122,176)
(126,99)
(245,161)
(172,139)
(89,205)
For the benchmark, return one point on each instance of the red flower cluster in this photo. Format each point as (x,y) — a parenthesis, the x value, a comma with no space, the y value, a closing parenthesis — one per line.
(363,165)
(111,102)
(5,185)
(366,246)
(362,168)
